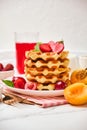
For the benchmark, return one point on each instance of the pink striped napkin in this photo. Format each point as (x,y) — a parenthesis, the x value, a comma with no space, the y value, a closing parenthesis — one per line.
(41,101)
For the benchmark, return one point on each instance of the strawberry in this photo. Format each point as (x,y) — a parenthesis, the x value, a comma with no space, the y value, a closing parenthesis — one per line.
(60,85)
(19,82)
(57,46)
(45,47)
(31,85)
(1,66)
(9,66)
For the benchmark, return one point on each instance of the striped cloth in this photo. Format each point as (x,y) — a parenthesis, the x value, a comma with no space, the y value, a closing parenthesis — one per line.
(43,102)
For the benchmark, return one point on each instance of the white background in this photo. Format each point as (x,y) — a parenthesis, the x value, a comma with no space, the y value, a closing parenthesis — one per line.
(53,19)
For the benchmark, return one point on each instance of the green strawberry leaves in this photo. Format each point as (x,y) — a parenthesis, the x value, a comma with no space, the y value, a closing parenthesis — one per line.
(36,48)
(8,82)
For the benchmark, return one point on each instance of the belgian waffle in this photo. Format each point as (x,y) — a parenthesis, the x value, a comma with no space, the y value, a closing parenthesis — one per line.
(47,78)
(46,56)
(46,68)
(48,63)
(45,71)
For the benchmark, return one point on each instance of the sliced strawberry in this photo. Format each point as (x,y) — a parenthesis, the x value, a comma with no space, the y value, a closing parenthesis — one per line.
(31,85)
(57,47)
(52,45)
(45,47)
(51,42)
(19,82)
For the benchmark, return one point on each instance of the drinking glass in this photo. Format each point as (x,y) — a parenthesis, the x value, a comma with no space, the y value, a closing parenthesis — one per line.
(74,63)
(24,42)
(83,61)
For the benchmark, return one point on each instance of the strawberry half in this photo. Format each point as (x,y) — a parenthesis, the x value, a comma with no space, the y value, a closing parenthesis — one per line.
(45,47)
(57,47)
(31,85)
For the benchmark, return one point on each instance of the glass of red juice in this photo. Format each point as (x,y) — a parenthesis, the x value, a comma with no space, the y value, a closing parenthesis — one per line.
(24,42)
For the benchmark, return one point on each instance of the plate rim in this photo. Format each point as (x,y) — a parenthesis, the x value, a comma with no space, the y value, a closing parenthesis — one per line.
(44,93)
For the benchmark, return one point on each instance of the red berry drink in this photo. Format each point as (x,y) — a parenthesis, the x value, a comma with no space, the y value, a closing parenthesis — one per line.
(20,54)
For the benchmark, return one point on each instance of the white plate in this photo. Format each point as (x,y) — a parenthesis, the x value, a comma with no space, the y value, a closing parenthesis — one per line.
(44,93)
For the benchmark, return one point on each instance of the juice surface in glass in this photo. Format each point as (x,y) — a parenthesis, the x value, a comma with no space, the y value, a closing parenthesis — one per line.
(21,48)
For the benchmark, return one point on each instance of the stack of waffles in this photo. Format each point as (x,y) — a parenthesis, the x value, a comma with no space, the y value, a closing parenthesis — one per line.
(47,68)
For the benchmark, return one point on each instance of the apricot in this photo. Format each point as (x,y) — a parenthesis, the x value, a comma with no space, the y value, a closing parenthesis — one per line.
(79,75)
(76,94)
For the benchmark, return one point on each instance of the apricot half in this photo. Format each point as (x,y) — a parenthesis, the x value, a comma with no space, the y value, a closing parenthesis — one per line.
(76,94)
(79,75)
